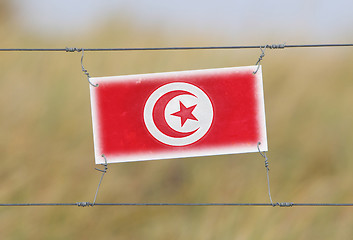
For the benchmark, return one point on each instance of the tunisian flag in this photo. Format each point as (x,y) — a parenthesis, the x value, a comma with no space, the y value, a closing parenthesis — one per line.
(178,114)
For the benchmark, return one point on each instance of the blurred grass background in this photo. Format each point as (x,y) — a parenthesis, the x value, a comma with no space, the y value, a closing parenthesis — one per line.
(46,145)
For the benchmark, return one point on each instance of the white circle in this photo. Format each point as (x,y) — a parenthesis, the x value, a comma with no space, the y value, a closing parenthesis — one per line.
(203,112)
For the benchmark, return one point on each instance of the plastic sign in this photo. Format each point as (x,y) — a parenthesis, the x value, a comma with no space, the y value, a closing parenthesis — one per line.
(178,114)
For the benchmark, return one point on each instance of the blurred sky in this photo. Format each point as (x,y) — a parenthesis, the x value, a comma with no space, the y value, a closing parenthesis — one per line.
(236,21)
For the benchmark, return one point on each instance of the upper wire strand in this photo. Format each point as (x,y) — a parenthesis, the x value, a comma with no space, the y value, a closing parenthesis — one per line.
(271,46)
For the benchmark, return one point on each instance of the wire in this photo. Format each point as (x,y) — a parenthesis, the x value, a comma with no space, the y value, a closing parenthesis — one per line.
(103,172)
(36,204)
(284,204)
(88,204)
(273,46)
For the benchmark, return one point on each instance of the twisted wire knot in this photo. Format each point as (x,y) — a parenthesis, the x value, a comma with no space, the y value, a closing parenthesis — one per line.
(273,46)
(283,204)
(276,46)
(267,164)
(68,49)
(84,204)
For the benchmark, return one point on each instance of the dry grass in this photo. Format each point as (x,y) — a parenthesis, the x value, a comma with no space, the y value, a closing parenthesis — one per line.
(47,148)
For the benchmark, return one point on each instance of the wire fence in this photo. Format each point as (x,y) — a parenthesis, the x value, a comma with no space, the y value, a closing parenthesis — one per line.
(89,204)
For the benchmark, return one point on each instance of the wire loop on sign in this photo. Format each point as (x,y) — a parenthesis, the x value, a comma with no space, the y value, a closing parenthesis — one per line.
(263,154)
(263,48)
(103,172)
(83,69)
(260,59)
